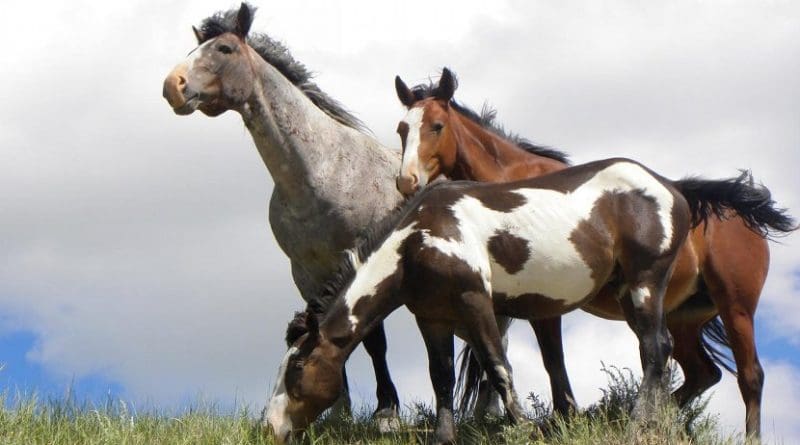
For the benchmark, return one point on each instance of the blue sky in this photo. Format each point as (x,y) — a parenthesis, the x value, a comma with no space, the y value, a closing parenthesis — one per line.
(136,254)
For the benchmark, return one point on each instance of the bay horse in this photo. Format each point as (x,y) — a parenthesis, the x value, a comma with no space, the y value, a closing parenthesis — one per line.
(311,146)
(720,271)
(459,253)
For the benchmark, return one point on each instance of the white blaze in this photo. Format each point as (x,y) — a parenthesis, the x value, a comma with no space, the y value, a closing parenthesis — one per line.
(276,415)
(411,163)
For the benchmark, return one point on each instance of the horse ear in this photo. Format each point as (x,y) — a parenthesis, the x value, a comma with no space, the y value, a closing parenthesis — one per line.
(447,86)
(403,92)
(312,324)
(198,35)
(296,329)
(243,20)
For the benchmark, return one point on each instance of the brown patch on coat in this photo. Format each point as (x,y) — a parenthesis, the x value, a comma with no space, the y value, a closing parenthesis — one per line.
(504,201)
(509,251)
(435,213)
(594,238)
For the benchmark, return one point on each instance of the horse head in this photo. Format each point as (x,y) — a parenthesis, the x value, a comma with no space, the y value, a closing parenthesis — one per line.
(309,379)
(429,143)
(217,75)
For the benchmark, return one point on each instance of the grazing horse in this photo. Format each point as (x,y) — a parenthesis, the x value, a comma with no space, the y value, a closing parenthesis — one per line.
(460,253)
(311,146)
(719,272)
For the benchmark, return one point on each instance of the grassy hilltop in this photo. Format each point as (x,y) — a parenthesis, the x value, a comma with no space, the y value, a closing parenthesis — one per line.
(27,421)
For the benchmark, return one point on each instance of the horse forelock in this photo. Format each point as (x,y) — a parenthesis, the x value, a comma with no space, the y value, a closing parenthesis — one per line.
(278,55)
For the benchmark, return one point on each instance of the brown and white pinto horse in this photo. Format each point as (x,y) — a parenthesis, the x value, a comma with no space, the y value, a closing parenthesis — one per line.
(719,273)
(460,253)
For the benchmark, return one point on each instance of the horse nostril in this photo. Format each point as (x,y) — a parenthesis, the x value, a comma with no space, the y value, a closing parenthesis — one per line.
(181,81)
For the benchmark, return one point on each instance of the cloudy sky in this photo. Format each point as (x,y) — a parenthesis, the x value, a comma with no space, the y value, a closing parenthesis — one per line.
(135,255)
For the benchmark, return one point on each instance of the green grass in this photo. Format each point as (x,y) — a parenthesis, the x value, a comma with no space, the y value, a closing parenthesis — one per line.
(31,421)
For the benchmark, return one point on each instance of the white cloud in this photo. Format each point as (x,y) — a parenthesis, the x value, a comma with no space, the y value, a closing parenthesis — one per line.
(136,244)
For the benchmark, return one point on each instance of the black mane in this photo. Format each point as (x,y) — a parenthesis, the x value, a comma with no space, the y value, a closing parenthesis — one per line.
(486,119)
(278,55)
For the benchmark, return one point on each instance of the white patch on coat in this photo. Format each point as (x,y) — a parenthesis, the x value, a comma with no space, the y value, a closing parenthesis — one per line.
(640,296)
(546,220)
(379,265)
(275,415)
(411,162)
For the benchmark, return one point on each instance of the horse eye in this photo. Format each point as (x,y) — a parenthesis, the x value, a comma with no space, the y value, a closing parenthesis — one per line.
(225,49)
(437,127)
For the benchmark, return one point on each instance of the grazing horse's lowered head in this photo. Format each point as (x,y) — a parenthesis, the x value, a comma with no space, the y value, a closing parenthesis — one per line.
(310,379)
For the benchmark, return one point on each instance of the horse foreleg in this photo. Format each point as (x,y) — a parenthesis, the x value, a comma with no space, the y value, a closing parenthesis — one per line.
(548,334)
(438,339)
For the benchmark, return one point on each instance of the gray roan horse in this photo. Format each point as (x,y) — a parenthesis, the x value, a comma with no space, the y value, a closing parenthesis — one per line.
(311,146)
(460,253)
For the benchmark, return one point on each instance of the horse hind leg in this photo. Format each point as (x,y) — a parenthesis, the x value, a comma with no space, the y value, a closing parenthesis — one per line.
(548,335)
(478,317)
(489,401)
(643,307)
(699,370)
(737,317)
(686,324)
(646,269)
(735,272)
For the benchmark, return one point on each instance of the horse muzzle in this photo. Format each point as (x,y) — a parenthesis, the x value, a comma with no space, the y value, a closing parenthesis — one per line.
(177,93)
(407,185)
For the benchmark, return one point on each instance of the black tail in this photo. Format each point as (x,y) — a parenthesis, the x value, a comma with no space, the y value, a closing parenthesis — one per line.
(753,203)
(469,380)
(715,342)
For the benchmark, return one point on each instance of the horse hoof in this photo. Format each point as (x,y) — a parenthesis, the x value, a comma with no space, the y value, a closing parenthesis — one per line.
(387,419)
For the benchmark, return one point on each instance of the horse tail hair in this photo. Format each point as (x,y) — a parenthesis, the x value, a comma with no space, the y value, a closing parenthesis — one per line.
(752,203)
(715,342)
(468,382)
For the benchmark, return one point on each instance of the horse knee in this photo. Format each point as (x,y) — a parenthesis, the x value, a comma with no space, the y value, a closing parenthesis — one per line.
(751,381)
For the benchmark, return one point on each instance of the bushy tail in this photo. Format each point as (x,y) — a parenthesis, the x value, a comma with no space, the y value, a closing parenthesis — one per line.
(468,382)
(715,342)
(753,203)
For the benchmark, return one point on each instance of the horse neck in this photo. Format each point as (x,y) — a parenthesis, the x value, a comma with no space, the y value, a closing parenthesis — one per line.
(371,295)
(482,155)
(297,141)
(347,325)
